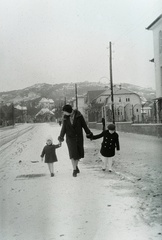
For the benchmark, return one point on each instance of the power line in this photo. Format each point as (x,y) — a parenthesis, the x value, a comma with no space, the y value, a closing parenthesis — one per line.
(130,30)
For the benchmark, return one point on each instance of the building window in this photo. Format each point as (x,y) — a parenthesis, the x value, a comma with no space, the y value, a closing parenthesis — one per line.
(160,42)
(119,99)
(127,99)
(136,110)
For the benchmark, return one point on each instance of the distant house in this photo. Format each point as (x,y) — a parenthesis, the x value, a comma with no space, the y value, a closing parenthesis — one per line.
(127,105)
(90,115)
(91,95)
(80,103)
(44,115)
(84,102)
(46,103)
(156,27)
(21,108)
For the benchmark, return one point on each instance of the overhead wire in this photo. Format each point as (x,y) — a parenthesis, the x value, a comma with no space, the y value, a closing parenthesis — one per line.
(130,30)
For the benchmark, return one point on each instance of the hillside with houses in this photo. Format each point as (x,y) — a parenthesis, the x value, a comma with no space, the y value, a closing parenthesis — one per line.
(43,102)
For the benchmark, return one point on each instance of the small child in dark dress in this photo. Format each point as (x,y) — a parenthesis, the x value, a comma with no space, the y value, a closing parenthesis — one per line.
(109,143)
(49,151)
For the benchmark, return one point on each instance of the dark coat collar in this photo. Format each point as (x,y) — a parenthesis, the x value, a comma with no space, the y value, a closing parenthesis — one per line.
(76,114)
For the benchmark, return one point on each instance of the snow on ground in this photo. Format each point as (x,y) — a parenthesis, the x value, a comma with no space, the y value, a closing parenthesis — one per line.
(94,206)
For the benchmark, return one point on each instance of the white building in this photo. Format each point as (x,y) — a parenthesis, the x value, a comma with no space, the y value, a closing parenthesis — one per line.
(156,27)
(46,103)
(127,104)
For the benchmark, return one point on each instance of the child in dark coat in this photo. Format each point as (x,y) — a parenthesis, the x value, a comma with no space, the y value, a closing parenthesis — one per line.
(49,151)
(110,142)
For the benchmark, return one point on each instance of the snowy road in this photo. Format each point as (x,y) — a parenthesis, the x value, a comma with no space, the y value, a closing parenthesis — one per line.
(93,206)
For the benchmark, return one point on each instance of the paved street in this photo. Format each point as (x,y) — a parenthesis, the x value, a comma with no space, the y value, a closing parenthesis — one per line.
(124,204)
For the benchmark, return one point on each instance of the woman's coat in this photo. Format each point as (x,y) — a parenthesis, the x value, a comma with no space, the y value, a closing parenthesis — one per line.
(74,135)
(110,142)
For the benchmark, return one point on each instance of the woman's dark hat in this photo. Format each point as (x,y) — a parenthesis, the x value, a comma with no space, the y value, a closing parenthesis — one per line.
(67,108)
(111,127)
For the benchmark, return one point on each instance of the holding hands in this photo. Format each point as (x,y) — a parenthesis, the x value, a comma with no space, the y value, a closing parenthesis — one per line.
(90,135)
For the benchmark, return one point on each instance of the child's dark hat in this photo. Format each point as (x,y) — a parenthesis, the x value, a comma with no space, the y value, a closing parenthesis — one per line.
(67,108)
(111,127)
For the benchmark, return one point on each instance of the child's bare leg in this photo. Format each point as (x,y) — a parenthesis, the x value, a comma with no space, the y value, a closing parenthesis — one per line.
(110,164)
(49,167)
(105,161)
(52,168)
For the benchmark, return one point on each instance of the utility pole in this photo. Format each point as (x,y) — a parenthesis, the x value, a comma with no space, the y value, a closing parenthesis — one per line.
(64,100)
(111,83)
(76,96)
(13,114)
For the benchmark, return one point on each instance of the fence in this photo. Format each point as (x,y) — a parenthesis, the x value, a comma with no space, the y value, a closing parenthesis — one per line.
(138,113)
(146,129)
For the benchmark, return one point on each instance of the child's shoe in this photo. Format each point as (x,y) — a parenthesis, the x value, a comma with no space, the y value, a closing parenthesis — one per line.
(103,169)
(52,174)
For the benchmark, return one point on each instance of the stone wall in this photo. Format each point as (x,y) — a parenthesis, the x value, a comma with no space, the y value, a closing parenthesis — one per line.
(147,129)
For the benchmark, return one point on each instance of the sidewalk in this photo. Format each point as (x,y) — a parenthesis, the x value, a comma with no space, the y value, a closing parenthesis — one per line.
(93,206)
(140,162)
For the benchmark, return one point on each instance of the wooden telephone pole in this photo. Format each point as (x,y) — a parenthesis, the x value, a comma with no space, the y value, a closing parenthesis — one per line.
(76,96)
(111,83)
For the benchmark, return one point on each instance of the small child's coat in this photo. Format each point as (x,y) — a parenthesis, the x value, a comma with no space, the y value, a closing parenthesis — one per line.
(109,143)
(50,153)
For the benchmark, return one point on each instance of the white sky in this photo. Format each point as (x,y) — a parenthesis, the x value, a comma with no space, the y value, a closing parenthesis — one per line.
(55,41)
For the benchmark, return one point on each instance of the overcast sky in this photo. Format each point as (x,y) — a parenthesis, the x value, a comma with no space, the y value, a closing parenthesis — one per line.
(56,41)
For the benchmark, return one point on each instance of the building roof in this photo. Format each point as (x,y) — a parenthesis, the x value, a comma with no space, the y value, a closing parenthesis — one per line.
(44,111)
(93,94)
(46,100)
(154,22)
(122,91)
(116,91)
(20,107)
(158,98)
(51,101)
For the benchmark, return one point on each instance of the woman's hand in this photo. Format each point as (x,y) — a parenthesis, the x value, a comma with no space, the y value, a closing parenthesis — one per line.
(90,135)
(60,139)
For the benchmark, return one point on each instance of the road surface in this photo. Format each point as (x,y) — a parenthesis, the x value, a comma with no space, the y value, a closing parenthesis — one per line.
(124,204)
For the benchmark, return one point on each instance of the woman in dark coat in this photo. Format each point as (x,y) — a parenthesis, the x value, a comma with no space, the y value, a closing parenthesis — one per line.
(73,125)
(109,143)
